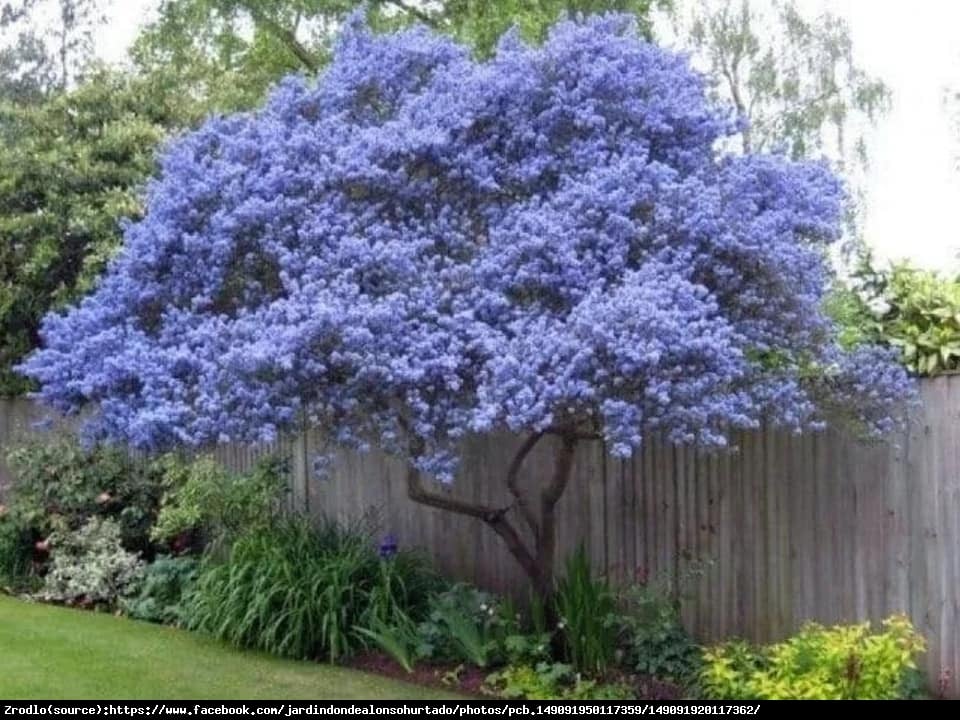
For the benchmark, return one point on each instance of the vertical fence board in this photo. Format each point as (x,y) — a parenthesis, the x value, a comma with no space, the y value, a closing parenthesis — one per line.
(819,527)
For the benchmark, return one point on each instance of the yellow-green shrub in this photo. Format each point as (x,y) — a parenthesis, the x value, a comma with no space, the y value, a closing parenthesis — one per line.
(845,662)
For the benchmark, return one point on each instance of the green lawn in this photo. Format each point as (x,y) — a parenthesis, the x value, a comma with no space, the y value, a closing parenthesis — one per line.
(55,653)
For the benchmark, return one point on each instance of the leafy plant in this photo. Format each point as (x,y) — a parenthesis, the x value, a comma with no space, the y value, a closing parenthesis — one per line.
(90,565)
(399,640)
(15,555)
(465,624)
(301,590)
(913,310)
(162,589)
(202,495)
(552,681)
(655,642)
(588,617)
(59,486)
(836,663)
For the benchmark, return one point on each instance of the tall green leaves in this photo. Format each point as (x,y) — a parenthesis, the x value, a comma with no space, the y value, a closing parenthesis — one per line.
(300,591)
(587,609)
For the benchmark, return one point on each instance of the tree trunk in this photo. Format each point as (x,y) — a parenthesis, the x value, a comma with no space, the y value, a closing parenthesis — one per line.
(538,560)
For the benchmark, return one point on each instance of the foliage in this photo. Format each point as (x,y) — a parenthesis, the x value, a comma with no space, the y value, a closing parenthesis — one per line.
(552,681)
(229,52)
(915,311)
(60,485)
(837,663)
(90,565)
(465,624)
(164,585)
(793,78)
(588,618)
(423,245)
(655,641)
(399,639)
(71,170)
(15,554)
(54,43)
(481,23)
(300,591)
(202,495)
(532,333)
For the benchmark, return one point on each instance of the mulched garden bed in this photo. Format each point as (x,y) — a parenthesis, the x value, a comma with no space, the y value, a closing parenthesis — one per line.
(464,679)
(470,680)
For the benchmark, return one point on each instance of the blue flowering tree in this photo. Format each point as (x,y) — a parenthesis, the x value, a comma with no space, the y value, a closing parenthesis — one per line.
(421,246)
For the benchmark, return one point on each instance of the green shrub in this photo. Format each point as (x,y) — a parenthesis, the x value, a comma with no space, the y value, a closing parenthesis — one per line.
(552,681)
(90,565)
(200,495)
(302,591)
(836,663)
(654,640)
(59,486)
(914,310)
(160,593)
(588,617)
(464,624)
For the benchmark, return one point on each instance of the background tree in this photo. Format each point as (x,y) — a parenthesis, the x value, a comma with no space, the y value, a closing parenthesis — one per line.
(425,246)
(481,24)
(54,40)
(793,78)
(71,168)
(231,51)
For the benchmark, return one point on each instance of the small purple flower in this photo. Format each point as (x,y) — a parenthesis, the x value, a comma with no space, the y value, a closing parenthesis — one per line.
(388,547)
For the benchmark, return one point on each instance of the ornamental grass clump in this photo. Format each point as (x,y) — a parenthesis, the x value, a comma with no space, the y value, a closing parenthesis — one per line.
(301,590)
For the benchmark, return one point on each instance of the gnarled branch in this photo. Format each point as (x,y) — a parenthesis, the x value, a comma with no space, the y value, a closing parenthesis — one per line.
(513,472)
(494,517)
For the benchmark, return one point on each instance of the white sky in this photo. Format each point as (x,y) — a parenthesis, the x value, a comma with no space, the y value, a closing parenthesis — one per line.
(913,189)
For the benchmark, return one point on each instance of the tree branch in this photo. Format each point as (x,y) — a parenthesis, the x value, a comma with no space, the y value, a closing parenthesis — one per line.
(287,37)
(547,538)
(494,517)
(523,502)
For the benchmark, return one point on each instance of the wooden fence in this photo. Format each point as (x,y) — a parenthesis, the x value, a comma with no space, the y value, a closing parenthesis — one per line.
(786,529)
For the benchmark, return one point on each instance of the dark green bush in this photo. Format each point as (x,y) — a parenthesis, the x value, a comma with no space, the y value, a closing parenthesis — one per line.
(464,624)
(161,591)
(300,590)
(654,640)
(15,557)
(59,486)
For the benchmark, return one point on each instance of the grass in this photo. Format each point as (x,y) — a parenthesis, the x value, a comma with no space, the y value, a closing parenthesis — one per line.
(54,653)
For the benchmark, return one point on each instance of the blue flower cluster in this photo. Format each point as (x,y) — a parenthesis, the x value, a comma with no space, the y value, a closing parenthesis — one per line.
(420,246)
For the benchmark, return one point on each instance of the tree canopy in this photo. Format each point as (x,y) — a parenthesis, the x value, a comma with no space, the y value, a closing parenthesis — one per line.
(794,79)
(232,51)
(424,245)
